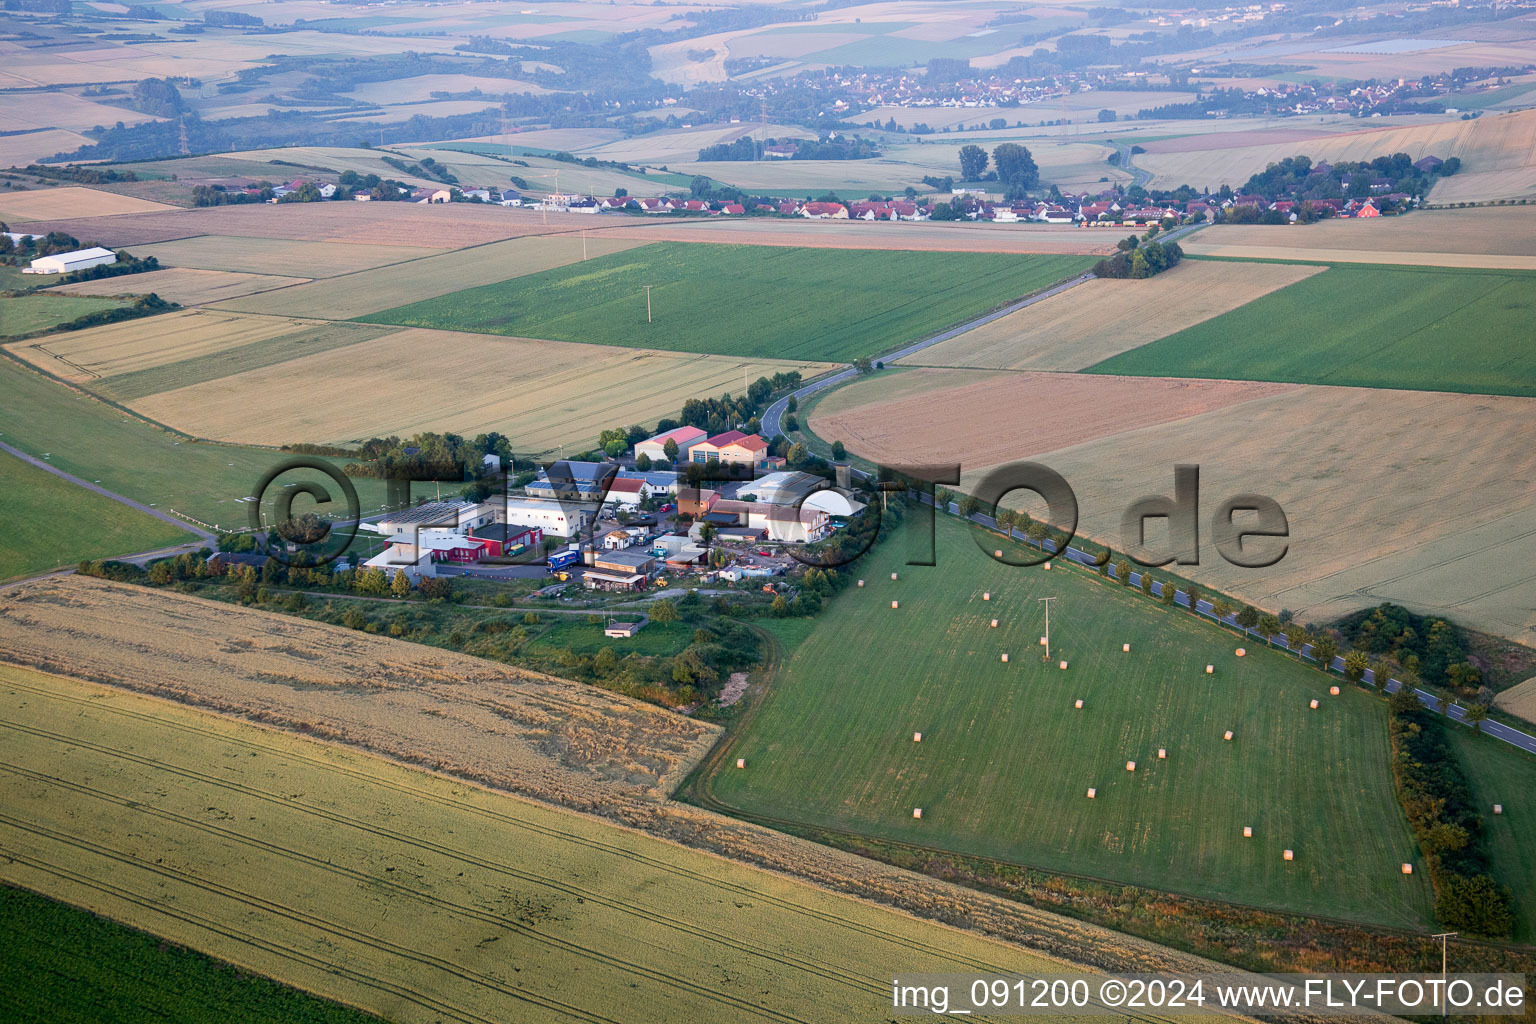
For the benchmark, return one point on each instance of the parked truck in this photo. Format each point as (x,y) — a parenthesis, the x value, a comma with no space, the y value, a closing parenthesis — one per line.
(564,559)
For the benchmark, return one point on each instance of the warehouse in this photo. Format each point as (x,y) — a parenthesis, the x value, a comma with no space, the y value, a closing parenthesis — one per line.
(68,262)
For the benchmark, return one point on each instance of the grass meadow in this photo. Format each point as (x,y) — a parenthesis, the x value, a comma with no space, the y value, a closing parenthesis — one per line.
(787,303)
(26,314)
(1500,774)
(51,522)
(1006,760)
(1418,328)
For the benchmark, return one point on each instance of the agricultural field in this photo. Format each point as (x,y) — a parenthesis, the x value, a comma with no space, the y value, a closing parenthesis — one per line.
(926,236)
(48,204)
(735,300)
(1501,775)
(383,695)
(129,456)
(1519,700)
(61,963)
(541,394)
(34,504)
(28,314)
(1498,154)
(1102,318)
(916,416)
(1498,238)
(1431,329)
(20,150)
(1006,761)
(21,112)
(282,257)
(369,291)
(388,888)
(188,287)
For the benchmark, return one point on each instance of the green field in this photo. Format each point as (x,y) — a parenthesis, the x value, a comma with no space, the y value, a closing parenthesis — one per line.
(51,522)
(126,455)
(573,632)
(743,300)
(1500,774)
(61,964)
(1419,328)
(26,314)
(1005,761)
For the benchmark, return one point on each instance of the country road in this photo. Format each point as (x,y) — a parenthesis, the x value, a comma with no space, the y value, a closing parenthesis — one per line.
(773,419)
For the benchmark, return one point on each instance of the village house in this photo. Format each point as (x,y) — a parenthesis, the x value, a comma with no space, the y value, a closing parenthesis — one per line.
(732,447)
(684,437)
(824,211)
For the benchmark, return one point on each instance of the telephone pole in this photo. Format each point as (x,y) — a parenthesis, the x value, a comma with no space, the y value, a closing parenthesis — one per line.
(1443,937)
(647,303)
(1047,601)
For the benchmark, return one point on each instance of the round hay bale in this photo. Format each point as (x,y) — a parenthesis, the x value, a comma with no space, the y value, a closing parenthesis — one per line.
(1314,704)
(994,624)
(1078,704)
(917,737)
(1228,735)
(1210,669)
(1242,652)
(998,553)
(1063,666)
(893,575)
(1047,566)
(741,762)
(987,596)
(1130,766)
(1247,831)
(1290,855)
(1162,753)
(1498,808)
(917,812)
(861,583)
(1333,690)
(1407,869)
(1005,659)
(1092,792)
(895,604)
(1126,648)
(1043,641)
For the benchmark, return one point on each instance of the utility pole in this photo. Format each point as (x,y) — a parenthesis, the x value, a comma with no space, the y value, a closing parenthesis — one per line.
(1443,937)
(647,303)
(583,247)
(1047,601)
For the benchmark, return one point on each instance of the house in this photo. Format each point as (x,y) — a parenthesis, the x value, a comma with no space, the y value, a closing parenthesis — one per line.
(655,483)
(68,262)
(623,630)
(695,502)
(788,208)
(482,194)
(503,540)
(626,493)
(618,540)
(684,437)
(572,481)
(441,195)
(731,447)
(824,211)
(784,488)
(783,524)
(220,562)
(1368,209)
(551,517)
(510,198)
(619,570)
(781,151)
(433,516)
(655,205)
(734,209)
(1428,165)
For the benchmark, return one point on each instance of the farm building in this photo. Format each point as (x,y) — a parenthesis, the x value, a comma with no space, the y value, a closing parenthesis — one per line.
(732,447)
(623,630)
(684,437)
(68,262)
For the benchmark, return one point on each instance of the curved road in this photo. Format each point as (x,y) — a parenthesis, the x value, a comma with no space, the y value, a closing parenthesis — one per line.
(773,420)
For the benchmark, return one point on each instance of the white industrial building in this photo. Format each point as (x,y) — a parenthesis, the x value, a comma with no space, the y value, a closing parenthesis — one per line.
(68,262)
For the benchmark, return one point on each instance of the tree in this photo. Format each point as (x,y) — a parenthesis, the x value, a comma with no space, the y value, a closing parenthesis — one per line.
(780,607)
(707,532)
(670,449)
(1247,616)
(1355,664)
(796,454)
(606,662)
(969,506)
(1477,714)
(1146,582)
(1221,608)
(1169,592)
(1016,166)
(973,162)
(643,462)
(664,611)
(1295,636)
(1123,572)
(1475,904)
(1325,647)
(1004,518)
(1194,599)
(1035,531)
(400,586)
(1269,625)
(839,451)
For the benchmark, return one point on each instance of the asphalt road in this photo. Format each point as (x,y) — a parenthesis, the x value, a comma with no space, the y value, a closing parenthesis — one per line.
(773,419)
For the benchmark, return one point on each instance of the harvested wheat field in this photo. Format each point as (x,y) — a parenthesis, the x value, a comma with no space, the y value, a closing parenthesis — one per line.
(481,719)
(186,286)
(373,290)
(540,393)
(1498,238)
(982,419)
(1520,700)
(43,204)
(1088,324)
(277,256)
(967,237)
(185,346)
(1421,498)
(418,897)
(441,226)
